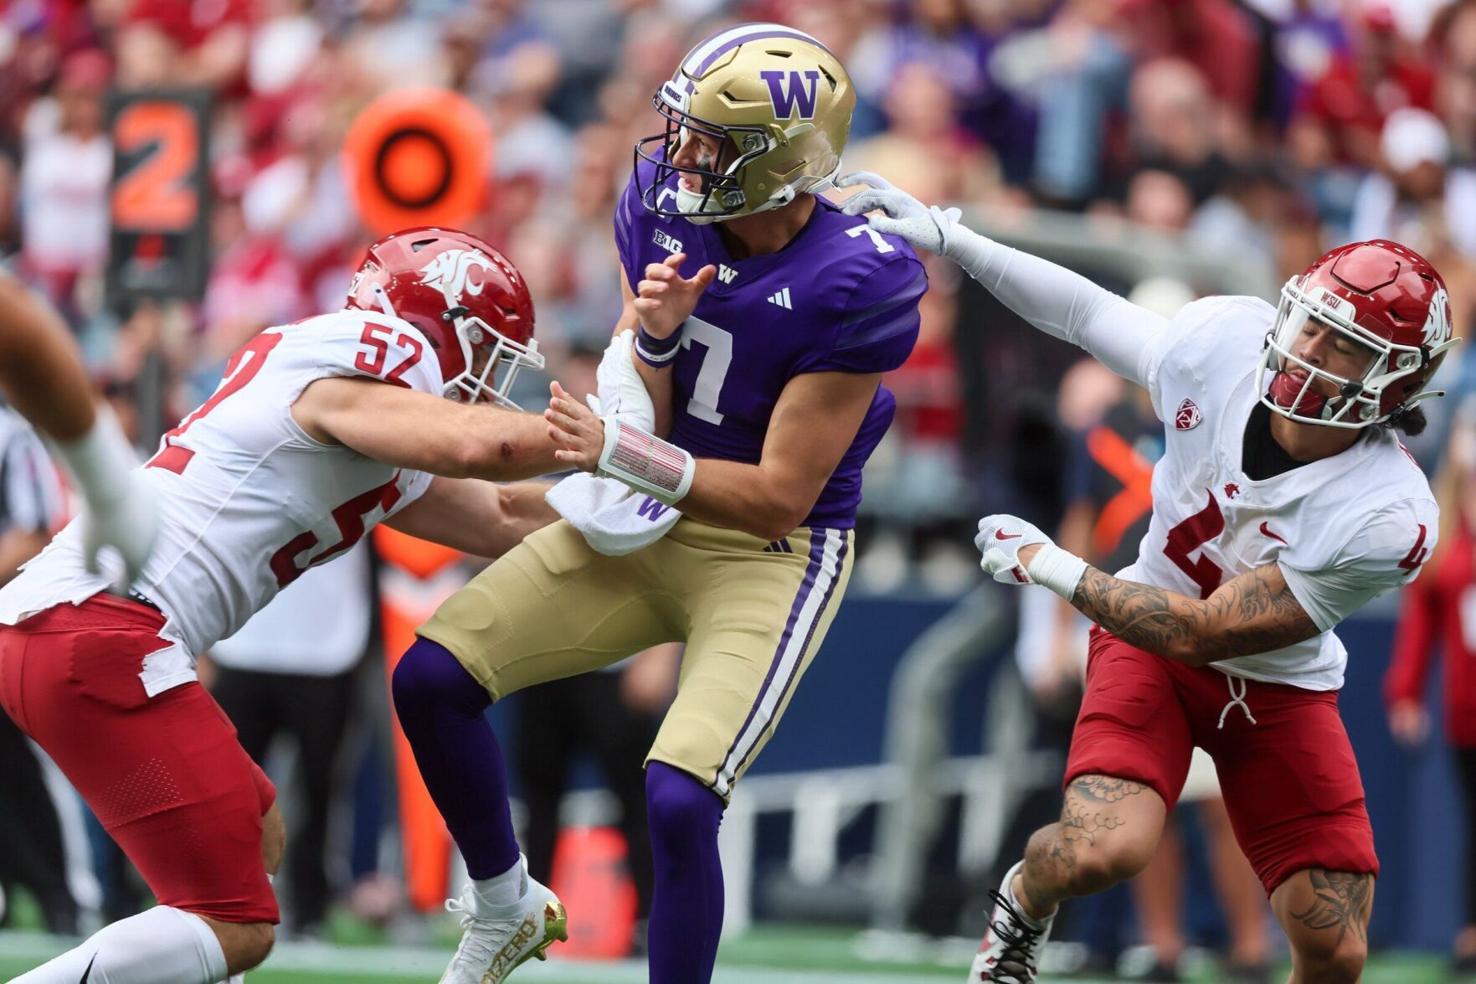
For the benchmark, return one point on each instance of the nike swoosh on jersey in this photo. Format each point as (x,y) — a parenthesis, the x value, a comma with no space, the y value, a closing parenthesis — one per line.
(1266,529)
(88,972)
(1002,535)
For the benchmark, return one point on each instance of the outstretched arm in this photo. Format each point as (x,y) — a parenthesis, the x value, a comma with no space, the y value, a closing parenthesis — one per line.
(40,371)
(408,429)
(1059,302)
(43,378)
(476,517)
(1253,613)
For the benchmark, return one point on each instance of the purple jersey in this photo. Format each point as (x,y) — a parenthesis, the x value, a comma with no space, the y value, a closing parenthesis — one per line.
(839,298)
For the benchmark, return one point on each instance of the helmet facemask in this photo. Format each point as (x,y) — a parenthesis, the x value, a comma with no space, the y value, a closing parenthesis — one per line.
(722,195)
(484,350)
(1357,400)
(487,353)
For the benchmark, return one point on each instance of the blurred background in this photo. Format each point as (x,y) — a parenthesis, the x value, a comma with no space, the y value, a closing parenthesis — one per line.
(176,175)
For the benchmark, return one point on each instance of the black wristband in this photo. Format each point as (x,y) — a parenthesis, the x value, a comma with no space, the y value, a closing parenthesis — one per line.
(657,352)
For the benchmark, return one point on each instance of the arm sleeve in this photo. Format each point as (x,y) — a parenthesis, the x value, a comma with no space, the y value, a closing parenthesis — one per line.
(1376,560)
(878,325)
(1414,640)
(1065,305)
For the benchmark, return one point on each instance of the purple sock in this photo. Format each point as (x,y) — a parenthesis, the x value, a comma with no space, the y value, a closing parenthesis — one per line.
(687,897)
(441,709)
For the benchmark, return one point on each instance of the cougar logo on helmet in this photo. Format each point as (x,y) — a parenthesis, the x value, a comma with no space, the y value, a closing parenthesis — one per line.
(450,272)
(1438,324)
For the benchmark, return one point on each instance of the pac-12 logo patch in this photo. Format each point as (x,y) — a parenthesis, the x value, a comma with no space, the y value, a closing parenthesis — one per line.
(1187,417)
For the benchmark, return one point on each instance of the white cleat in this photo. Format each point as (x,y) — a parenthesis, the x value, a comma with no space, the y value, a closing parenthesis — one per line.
(495,940)
(1010,952)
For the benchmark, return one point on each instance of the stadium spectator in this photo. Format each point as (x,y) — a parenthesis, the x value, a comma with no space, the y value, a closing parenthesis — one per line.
(67,164)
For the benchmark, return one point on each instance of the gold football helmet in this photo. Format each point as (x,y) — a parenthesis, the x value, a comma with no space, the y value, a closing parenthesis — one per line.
(778,103)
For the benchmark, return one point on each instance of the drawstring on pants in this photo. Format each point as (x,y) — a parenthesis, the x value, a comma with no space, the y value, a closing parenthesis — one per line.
(1236,700)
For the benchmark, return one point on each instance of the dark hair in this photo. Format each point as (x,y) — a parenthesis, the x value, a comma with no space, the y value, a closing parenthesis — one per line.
(1410,421)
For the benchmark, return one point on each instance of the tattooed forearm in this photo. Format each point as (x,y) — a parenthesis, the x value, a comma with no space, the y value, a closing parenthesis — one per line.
(1253,613)
(1104,789)
(1342,903)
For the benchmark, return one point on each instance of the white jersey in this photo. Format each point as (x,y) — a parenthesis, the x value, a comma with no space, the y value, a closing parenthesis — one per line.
(1342,529)
(247,499)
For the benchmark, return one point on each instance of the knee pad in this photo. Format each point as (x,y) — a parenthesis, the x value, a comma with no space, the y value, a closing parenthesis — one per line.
(678,803)
(428,675)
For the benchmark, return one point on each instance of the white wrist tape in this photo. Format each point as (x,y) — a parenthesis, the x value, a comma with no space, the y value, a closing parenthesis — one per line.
(1057,569)
(645,462)
(99,460)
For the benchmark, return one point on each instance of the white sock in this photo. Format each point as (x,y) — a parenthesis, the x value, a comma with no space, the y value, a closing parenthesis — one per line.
(159,946)
(504,889)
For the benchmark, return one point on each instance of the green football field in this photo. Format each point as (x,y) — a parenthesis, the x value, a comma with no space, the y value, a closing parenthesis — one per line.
(770,956)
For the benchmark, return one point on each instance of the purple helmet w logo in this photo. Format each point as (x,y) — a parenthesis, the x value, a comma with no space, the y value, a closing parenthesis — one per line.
(791,90)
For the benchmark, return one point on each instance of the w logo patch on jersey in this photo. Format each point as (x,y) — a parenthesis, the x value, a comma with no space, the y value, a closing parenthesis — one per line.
(1187,417)
(790,91)
(456,273)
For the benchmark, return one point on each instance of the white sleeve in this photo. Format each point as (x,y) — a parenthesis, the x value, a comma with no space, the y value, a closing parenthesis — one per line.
(1064,304)
(1383,555)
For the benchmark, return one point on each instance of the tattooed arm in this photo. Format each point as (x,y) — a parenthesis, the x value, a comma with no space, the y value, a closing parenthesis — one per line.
(1253,613)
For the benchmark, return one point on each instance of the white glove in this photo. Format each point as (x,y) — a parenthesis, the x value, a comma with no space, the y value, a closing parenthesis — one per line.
(1000,540)
(121,512)
(924,227)
(622,392)
(127,523)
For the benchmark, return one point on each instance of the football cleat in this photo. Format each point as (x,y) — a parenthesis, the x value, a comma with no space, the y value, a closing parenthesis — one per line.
(495,940)
(1010,952)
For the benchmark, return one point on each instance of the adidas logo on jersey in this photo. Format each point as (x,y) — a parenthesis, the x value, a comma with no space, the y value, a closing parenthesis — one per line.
(782,299)
(726,273)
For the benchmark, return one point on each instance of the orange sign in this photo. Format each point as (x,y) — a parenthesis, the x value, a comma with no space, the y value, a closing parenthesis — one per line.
(418,157)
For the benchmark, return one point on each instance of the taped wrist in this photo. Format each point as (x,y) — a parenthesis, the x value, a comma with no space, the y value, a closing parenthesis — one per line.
(1057,569)
(657,352)
(645,462)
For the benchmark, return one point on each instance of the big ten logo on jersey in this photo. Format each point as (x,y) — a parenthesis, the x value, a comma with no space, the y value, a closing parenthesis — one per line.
(669,243)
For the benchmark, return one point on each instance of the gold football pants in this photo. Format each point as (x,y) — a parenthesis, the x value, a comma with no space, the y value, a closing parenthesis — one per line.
(752,615)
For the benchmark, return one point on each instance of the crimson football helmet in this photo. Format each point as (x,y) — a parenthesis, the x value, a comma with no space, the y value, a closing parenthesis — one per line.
(1386,298)
(468,300)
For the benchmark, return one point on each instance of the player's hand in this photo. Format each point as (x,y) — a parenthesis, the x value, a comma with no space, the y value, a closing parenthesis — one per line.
(1008,544)
(126,522)
(665,298)
(905,216)
(1409,722)
(577,432)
